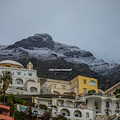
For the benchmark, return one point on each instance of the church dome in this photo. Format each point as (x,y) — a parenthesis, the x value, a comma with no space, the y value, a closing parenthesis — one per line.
(11,62)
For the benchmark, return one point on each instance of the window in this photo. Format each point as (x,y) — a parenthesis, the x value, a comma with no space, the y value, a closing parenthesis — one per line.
(49,104)
(92,82)
(76,115)
(63,87)
(18,73)
(87,115)
(63,114)
(84,81)
(117,105)
(0,111)
(99,93)
(84,90)
(107,104)
(18,82)
(68,104)
(54,86)
(30,74)
(32,89)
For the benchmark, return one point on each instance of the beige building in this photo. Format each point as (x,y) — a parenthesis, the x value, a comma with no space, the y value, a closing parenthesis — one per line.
(112,89)
(50,86)
(78,86)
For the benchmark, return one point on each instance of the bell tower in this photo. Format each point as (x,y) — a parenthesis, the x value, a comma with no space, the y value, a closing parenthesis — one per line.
(30,66)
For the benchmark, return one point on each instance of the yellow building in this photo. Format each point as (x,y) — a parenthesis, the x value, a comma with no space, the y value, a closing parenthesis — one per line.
(84,84)
(77,86)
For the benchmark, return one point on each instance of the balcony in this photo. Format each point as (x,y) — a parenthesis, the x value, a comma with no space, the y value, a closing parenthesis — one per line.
(69,104)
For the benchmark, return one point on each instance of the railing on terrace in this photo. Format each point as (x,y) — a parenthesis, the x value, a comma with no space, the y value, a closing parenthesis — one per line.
(104,95)
(17,91)
(112,117)
(79,107)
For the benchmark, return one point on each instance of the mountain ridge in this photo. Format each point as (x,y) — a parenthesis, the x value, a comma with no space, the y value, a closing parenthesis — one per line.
(46,53)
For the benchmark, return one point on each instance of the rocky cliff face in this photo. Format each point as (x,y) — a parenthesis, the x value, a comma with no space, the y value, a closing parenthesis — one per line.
(37,41)
(45,54)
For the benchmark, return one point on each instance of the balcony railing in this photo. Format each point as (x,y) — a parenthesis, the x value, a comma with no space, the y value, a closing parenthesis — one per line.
(70,106)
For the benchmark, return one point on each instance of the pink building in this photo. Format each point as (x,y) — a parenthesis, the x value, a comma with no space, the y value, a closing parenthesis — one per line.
(5,113)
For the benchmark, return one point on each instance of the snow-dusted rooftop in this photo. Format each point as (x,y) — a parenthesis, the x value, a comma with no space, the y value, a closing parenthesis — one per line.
(11,62)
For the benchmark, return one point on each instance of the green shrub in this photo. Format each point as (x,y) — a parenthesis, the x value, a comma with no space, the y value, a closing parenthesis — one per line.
(42,106)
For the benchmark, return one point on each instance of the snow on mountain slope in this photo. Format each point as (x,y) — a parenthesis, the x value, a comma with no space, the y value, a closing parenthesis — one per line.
(42,47)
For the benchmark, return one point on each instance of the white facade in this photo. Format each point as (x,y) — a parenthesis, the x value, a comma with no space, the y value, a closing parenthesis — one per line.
(72,109)
(103,105)
(23,79)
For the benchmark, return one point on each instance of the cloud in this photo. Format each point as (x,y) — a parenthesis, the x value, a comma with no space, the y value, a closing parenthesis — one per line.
(91,25)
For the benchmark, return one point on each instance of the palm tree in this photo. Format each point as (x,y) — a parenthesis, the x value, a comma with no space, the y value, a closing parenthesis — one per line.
(6,79)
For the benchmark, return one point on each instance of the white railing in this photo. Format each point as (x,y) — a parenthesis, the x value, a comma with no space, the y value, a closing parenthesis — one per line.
(17,91)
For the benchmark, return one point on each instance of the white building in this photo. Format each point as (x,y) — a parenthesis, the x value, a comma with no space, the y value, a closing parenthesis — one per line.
(102,105)
(25,81)
(72,109)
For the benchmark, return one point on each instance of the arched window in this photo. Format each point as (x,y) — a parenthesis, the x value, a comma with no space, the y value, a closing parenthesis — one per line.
(92,82)
(19,81)
(33,89)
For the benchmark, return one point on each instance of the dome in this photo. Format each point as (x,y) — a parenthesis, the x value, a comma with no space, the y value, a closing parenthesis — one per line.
(30,63)
(11,62)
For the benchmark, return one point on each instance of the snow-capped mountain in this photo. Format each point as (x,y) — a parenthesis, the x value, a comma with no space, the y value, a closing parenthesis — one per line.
(45,53)
(42,47)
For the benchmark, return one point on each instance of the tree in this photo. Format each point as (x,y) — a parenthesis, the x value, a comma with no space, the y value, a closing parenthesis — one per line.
(60,117)
(117,93)
(6,78)
(46,116)
(42,106)
(91,92)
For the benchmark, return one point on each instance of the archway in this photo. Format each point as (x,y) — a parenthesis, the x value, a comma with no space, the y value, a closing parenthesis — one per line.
(77,113)
(108,112)
(65,112)
(30,80)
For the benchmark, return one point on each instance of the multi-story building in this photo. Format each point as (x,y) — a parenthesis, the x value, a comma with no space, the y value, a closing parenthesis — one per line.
(102,105)
(77,86)
(84,84)
(63,93)
(72,109)
(50,86)
(5,113)
(25,80)
(112,89)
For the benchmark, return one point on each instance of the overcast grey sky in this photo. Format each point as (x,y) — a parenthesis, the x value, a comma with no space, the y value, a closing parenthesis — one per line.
(92,25)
